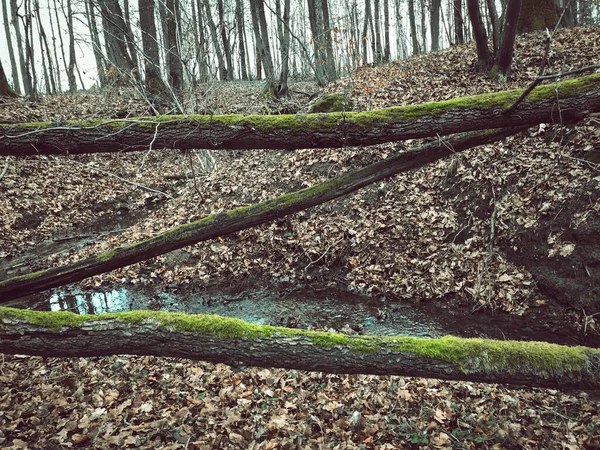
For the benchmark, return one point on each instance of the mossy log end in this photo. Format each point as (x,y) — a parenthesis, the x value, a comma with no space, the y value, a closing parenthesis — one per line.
(235,342)
(566,100)
(241,218)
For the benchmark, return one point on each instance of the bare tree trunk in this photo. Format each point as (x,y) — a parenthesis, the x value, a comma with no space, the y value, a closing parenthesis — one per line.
(25,75)
(60,35)
(282,89)
(213,33)
(330,61)
(46,56)
(235,342)
(483,52)
(378,56)
(115,40)
(173,47)
(241,29)
(413,27)
(505,53)
(257,39)
(267,59)
(129,34)
(95,38)
(11,53)
(354,53)
(386,31)
(423,26)
(5,89)
(459,36)
(71,68)
(225,40)
(201,43)
(401,46)
(314,28)
(151,57)
(493,16)
(435,25)
(365,32)
(29,49)
(44,46)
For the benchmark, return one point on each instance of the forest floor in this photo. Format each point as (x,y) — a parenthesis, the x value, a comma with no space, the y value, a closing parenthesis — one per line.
(478,230)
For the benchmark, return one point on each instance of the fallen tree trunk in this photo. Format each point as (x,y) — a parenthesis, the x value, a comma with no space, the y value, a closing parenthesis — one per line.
(233,341)
(241,218)
(567,100)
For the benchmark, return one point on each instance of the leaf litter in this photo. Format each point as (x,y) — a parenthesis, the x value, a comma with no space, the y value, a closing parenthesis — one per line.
(420,236)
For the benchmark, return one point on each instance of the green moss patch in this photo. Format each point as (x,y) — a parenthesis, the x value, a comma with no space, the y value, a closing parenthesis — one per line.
(471,355)
(332,103)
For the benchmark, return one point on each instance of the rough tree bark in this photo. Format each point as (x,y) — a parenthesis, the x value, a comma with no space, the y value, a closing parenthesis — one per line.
(25,75)
(9,46)
(95,40)
(459,36)
(284,44)
(172,48)
(113,25)
(413,28)
(241,30)
(328,42)
(505,52)
(71,66)
(225,40)
(215,40)
(435,25)
(567,100)
(235,342)
(5,89)
(238,219)
(480,35)
(316,42)
(151,57)
(386,31)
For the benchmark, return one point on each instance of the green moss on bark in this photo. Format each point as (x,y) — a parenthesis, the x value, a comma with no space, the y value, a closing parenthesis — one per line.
(21,278)
(470,355)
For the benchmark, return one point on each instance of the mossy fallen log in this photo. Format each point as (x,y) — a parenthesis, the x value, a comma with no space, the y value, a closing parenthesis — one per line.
(241,218)
(566,100)
(235,342)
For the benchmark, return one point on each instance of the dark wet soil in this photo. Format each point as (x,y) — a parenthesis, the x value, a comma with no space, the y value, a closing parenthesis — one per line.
(72,239)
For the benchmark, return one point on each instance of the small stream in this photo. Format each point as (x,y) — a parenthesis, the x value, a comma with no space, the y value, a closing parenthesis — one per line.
(330,311)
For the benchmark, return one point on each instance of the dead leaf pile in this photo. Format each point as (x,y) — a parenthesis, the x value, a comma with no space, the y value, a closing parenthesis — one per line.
(147,402)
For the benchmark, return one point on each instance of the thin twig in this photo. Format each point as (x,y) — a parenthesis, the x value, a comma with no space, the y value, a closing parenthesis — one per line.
(547,41)
(322,256)
(133,183)
(194,175)
(149,146)
(5,169)
(538,80)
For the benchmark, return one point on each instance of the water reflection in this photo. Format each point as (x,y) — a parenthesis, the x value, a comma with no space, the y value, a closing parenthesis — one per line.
(91,302)
(341,311)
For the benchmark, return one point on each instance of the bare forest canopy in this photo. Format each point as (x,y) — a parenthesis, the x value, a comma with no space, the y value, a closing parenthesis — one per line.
(164,49)
(568,100)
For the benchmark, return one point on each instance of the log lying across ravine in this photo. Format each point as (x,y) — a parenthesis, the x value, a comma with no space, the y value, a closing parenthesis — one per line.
(552,103)
(241,218)
(238,343)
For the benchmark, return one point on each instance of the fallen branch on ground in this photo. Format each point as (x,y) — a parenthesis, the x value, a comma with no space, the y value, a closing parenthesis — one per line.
(575,98)
(235,342)
(241,218)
